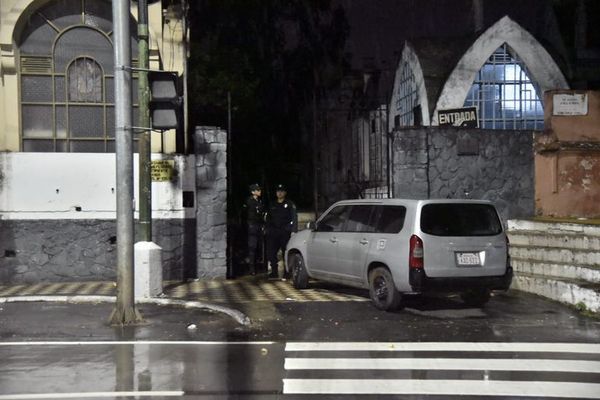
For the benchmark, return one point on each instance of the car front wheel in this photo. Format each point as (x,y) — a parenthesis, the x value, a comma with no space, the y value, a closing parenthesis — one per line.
(382,289)
(299,274)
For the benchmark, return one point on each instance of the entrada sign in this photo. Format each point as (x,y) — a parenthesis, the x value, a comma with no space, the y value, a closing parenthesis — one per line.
(465,117)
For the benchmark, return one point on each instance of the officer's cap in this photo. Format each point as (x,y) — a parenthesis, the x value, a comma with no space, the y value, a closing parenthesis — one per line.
(254,186)
(280,188)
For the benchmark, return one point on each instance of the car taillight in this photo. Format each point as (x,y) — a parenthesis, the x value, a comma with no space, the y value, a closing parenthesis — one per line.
(415,255)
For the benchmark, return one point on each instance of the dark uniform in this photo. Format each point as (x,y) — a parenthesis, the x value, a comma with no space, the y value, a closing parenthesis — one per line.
(255,214)
(282,220)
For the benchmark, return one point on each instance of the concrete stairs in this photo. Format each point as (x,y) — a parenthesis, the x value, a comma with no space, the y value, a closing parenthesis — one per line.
(560,261)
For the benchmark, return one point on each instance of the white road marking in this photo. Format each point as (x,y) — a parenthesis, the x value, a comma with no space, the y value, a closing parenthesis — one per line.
(442,364)
(117,342)
(442,387)
(446,346)
(84,395)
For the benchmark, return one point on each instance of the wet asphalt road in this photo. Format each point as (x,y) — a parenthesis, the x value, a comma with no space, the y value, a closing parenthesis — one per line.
(434,346)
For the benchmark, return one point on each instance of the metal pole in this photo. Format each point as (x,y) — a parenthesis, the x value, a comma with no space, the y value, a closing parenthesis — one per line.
(125,312)
(230,273)
(144,139)
(315,157)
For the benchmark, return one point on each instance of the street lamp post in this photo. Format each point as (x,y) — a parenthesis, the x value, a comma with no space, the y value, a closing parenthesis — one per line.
(125,312)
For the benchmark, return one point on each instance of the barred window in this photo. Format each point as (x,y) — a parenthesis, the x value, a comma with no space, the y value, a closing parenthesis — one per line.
(407,99)
(505,95)
(66,66)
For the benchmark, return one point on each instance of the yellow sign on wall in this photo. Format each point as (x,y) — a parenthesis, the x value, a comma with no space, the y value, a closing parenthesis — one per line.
(162,170)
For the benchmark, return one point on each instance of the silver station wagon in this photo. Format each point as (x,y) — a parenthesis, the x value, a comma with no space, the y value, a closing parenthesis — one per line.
(394,247)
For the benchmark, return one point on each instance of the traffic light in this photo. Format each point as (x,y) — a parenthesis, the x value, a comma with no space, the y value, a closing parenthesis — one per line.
(166,101)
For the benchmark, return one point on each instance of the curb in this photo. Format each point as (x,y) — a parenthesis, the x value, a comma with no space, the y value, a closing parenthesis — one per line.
(238,316)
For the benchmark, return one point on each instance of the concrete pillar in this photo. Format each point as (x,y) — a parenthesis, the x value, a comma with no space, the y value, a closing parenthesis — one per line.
(211,201)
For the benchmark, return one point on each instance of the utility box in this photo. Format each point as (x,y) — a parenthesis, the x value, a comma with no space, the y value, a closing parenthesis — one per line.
(148,270)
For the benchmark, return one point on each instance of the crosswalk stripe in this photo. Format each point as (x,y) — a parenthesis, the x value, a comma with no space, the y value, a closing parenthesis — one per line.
(85,395)
(442,364)
(442,387)
(445,346)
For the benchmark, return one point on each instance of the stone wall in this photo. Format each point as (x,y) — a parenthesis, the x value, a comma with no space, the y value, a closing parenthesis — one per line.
(75,250)
(439,162)
(210,145)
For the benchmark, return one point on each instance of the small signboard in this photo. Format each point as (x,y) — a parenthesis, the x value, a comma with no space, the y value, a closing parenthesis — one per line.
(569,104)
(162,170)
(465,117)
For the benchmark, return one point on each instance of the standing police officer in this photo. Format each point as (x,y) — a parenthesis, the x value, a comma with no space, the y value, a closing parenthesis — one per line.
(282,220)
(255,215)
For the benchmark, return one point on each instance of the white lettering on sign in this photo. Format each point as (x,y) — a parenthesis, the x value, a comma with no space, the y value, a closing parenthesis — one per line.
(466,117)
(570,104)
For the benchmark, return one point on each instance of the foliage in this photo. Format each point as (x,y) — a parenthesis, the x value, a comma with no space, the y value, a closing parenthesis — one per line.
(270,55)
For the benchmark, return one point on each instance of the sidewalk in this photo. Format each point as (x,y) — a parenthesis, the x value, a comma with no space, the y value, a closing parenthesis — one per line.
(220,291)
(197,310)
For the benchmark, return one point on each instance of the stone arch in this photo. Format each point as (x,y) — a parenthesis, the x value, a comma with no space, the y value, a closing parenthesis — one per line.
(409,56)
(543,69)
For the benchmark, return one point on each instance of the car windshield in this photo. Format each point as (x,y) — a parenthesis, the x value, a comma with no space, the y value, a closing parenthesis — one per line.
(460,220)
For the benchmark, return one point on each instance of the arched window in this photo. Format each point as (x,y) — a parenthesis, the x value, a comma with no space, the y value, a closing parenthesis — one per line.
(406,98)
(85,81)
(505,95)
(66,66)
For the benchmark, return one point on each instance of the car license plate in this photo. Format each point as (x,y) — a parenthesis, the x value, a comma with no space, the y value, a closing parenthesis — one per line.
(468,259)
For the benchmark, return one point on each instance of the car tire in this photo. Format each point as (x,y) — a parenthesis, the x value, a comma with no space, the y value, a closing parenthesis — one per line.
(476,297)
(382,289)
(298,271)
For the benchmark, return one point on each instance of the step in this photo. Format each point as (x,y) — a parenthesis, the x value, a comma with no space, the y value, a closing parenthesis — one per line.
(556,255)
(556,228)
(568,291)
(558,271)
(574,241)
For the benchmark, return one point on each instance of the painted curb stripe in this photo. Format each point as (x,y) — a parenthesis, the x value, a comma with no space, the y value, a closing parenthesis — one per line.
(442,387)
(446,346)
(441,364)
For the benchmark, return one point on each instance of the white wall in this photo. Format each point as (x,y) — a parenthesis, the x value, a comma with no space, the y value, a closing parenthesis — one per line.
(52,185)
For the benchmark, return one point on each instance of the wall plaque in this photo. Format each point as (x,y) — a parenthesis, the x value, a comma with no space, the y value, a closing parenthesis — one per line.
(569,104)
(162,170)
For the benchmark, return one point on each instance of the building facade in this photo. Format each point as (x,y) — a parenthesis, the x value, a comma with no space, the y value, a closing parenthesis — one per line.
(57,143)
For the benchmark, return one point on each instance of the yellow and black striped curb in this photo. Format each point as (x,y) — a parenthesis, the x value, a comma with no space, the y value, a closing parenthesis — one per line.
(217,291)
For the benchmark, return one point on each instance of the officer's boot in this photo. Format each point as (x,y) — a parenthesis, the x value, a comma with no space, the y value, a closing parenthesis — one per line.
(251,264)
(274,273)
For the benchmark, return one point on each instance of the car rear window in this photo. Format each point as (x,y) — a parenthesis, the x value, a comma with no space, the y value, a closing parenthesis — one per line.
(455,219)
(360,219)
(390,219)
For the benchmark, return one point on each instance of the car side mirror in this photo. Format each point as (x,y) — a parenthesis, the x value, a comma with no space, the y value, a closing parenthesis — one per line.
(311,226)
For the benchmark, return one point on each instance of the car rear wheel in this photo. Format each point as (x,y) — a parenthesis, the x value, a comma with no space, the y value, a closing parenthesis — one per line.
(382,289)
(299,274)
(476,297)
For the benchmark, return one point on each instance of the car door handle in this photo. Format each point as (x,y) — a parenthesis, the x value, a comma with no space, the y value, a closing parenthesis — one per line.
(363,241)
(333,240)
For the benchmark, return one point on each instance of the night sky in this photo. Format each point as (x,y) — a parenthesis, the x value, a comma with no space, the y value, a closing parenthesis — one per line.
(282,60)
